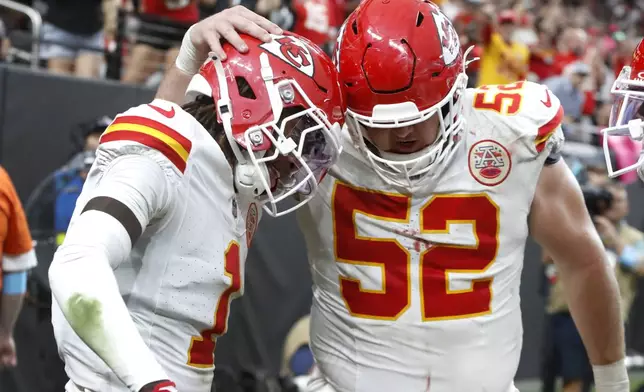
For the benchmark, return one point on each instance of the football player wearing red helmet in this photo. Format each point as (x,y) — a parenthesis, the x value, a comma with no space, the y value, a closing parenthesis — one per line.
(417,235)
(156,248)
(627,114)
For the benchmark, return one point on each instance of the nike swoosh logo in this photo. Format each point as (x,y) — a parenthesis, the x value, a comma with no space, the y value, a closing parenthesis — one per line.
(163,112)
(548,101)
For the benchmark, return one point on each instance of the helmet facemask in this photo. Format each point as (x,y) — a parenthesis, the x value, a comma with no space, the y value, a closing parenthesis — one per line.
(285,156)
(626,118)
(303,148)
(409,170)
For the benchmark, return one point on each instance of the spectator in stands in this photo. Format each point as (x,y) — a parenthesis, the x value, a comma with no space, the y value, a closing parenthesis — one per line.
(267,7)
(18,257)
(567,88)
(469,22)
(599,82)
(564,355)
(158,39)
(623,52)
(571,48)
(69,180)
(542,51)
(625,241)
(503,60)
(317,20)
(596,172)
(73,38)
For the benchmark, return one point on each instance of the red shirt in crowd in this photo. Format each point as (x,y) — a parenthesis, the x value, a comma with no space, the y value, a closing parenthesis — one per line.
(620,62)
(184,11)
(316,19)
(590,103)
(541,63)
(561,59)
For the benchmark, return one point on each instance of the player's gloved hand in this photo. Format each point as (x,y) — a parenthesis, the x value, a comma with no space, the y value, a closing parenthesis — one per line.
(159,386)
(205,36)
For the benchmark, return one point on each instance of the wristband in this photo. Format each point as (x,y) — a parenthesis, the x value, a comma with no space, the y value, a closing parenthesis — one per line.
(188,58)
(612,377)
(14,283)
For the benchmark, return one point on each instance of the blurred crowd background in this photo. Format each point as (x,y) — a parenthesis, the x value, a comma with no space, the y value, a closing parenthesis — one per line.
(576,47)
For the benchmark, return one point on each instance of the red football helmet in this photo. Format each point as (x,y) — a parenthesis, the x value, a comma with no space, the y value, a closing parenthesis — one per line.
(401,63)
(627,114)
(280,99)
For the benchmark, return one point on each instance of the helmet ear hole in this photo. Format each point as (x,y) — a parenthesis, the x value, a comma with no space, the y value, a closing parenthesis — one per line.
(419,19)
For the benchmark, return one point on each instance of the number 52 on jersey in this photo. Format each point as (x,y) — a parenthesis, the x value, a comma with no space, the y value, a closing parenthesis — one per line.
(438,301)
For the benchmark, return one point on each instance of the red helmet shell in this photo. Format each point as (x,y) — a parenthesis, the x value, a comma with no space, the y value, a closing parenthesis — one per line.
(637,64)
(413,55)
(290,57)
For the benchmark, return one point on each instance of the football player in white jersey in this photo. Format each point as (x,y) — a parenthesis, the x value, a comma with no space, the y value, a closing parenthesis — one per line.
(627,114)
(416,239)
(155,251)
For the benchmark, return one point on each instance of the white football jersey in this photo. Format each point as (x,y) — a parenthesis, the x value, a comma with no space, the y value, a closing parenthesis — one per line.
(421,292)
(188,263)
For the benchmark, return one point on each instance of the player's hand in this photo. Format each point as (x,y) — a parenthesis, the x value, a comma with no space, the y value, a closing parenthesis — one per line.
(159,386)
(206,35)
(7,351)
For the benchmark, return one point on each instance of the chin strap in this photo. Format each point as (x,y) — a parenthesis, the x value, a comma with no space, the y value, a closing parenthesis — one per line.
(247,179)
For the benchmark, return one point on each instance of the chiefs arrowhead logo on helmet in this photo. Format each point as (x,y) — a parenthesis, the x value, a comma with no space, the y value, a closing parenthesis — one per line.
(448,37)
(292,51)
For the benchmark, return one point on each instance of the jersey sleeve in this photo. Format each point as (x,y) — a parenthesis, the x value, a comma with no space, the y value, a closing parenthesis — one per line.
(111,214)
(140,162)
(17,246)
(139,168)
(153,130)
(539,121)
(525,117)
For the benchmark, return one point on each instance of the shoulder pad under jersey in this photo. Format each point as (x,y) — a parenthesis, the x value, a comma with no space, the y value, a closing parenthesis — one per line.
(526,115)
(161,130)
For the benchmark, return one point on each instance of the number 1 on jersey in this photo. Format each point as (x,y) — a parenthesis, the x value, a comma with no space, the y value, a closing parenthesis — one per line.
(202,348)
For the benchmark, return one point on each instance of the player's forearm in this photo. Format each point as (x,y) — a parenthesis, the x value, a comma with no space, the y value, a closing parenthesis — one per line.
(173,86)
(85,288)
(560,223)
(10,306)
(594,302)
